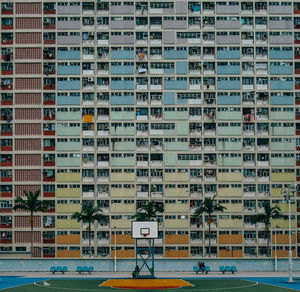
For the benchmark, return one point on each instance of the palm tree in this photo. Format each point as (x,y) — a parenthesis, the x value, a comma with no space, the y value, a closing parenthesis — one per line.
(209,206)
(32,204)
(148,211)
(89,214)
(266,218)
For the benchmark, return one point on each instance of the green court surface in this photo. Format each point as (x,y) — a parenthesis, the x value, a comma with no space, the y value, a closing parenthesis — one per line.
(92,285)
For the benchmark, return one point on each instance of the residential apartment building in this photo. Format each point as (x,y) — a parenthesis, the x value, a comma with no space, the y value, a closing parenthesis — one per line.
(120,102)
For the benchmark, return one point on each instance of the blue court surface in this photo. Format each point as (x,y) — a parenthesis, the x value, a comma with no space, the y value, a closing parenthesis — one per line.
(13,281)
(278,282)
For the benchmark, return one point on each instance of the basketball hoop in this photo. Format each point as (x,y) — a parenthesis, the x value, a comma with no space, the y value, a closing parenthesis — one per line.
(145,232)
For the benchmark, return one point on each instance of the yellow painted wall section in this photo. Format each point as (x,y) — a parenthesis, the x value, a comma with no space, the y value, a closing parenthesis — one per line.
(68,177)
(230,176)
(276,192)
(176,253)
(67,224)
(230,253)
(233,208)
(177,208)
(283,253)
(122,208)
(179,193)
(122,223)
(115,176)
(122,192)
(68,253)
(283,238)
(68,239)
(283,223)
(121,254)
(122,239)
(68,208)
(230,238)
(230,223)
(177,176)
(68,193)
(285,207)
(230,192)
(283,177)
(176,223)
(176,239)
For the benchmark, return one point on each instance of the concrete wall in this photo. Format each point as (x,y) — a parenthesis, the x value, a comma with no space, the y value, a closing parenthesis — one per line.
(43,265)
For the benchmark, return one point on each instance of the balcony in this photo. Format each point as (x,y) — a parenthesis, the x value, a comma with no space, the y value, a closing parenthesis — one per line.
(281,39)
(122,24)
(227,24)
(280,9)
(68,100)
(68,10)
(281,24)
(68,55)
(68,24)
(68,70)
(281,85)
(282,54)
(174,54)
(175,24)
(282,146)
(122,55)
(68,40)
(175,84)
(229,100)
(228,54)
(281,69)
(122,84)
(124,70)
(228,39)
(229,84)
(122,9)
(228,69)
(227,9)
(229,131)
(68,85)
(281,161)
(122,39)
(281,100)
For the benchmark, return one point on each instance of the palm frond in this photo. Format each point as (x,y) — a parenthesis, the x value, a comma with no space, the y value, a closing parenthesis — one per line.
(148,211)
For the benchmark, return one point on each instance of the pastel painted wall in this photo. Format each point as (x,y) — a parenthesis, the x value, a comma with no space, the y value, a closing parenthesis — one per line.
(27,265)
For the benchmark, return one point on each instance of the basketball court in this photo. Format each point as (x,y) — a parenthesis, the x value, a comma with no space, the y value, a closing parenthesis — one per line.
(19,284)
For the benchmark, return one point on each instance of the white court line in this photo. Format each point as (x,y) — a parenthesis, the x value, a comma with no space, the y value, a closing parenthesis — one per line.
(101,289)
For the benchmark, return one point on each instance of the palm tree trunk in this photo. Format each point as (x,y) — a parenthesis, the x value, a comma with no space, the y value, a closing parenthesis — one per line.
(90,250)
(31,234)
(268,242)
(209,244)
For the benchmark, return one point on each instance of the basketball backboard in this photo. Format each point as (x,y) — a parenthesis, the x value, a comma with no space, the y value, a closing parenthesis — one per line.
(144,229)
